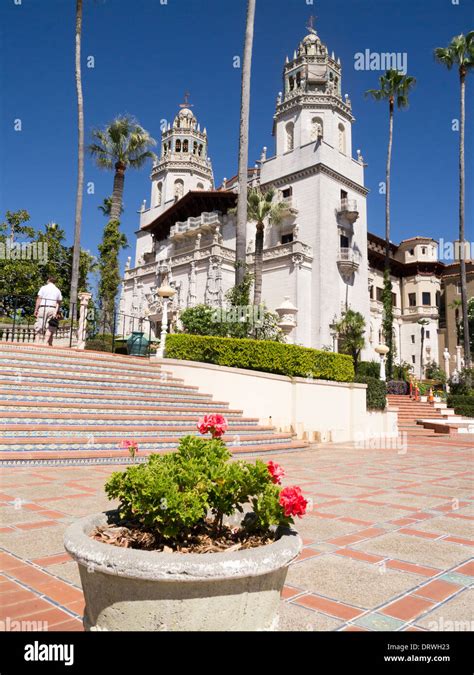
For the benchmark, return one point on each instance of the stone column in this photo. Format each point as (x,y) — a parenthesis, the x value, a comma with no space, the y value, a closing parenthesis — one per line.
(459,358)
(81,330)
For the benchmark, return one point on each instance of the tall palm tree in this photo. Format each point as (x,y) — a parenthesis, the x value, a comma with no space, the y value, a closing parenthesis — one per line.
(460,53)
(394,87)
(260,207)
(76,251)
(350,331)
(241,233)
(121,145)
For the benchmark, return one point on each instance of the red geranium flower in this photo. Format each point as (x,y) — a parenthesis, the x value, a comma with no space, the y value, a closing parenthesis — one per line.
(215,423)
(293,502)
(276,472)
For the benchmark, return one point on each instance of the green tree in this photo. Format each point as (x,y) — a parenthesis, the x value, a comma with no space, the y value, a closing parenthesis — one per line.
(76,255)
(241,230)
(394,88)
(122,144)
(460,53)
(350,331)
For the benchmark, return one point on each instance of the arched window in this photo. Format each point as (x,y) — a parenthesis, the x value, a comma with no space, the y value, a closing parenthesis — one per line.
(177,146)
(199,186)
(298,78)
(290,136)
(159,193)
(195,147)
(186,146)
(200,150)
(316,128)
(342,138)
(291,82)
(165,149)
(178,188)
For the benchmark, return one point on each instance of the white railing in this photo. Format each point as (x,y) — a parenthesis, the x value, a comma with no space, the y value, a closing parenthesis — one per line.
(348,255)
(193,224)
(348,206)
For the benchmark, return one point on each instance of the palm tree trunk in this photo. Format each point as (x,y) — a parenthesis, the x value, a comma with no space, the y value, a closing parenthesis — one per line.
(388,309)
(467,345)
(241,233)
(257,297)
(76,255)
(117,194)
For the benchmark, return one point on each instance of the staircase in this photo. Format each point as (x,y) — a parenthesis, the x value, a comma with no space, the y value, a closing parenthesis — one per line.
(62,406)
(410,411)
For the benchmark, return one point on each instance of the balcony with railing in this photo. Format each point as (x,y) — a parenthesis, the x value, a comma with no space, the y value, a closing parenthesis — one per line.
(348,210)
(348,260)
(203,224)
(289,206)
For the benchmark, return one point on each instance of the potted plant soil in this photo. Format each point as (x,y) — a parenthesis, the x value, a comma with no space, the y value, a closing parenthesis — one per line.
(199,542)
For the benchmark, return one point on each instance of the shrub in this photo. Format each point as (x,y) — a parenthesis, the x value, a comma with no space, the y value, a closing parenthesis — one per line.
(462,404)
(398,387)
(262,355)
(462,383)
(100,343)
(200,320)
(434,372)
(369,369)
(376,392)
(174,494)
(402,371)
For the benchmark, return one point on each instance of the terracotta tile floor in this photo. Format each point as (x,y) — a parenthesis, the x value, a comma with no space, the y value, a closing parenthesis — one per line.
(387,540)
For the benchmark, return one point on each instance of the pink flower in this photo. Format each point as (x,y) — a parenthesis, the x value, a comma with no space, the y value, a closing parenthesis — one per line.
(131,446)
(293,502)
(215,423)
(275,471)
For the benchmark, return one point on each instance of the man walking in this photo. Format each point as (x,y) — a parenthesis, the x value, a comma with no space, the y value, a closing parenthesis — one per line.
(47,307)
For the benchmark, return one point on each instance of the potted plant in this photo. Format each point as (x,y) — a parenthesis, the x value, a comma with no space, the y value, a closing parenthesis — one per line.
(198,542)
(423,389)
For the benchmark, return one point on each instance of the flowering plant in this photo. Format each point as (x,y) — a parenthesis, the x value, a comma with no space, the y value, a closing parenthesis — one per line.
(180,494)
(131,446)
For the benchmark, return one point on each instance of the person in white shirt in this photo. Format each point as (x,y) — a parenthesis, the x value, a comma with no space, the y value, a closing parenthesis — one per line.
(47,307)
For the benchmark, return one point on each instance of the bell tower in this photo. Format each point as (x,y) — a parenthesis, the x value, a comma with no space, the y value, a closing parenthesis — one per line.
(184,164)
(311,108)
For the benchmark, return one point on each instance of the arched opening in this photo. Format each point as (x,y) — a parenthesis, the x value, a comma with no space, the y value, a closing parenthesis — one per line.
(342,138)
(199,186)
(291,82)
(290,136)
(186,146)
(200,150)
(195,148)
(177,146)
(316,129)
(178,189)
(159,193)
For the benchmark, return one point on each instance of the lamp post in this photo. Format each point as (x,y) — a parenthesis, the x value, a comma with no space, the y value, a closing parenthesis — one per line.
(166,293)
(382,350)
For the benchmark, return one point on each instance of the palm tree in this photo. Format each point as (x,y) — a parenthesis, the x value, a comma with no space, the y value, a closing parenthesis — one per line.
(460,53)
(394,86)
(261,206)
(76,252)
(121,145)
(106,207)
(241,230)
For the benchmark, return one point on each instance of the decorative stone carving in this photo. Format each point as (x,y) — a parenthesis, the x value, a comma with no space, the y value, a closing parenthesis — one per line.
(192,297)
(213,295)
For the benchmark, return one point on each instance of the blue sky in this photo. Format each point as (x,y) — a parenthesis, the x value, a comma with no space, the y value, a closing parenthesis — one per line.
(147,54)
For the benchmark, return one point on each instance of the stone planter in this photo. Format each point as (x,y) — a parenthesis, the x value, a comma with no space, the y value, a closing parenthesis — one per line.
(133,590)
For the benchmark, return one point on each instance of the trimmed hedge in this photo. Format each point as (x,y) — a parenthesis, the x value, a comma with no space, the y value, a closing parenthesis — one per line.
(463,405)
(263,355)
(376,392)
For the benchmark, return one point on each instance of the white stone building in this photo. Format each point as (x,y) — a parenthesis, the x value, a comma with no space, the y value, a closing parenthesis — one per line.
(320,260)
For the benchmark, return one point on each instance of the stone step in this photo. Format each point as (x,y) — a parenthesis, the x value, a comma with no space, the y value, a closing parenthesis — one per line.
(88,457)
(56,384)
(37,391)
(60,353)
(152,445)
(84,401)
(130,366)
(24,431)
(84,374)
(178,408)
(114,420)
